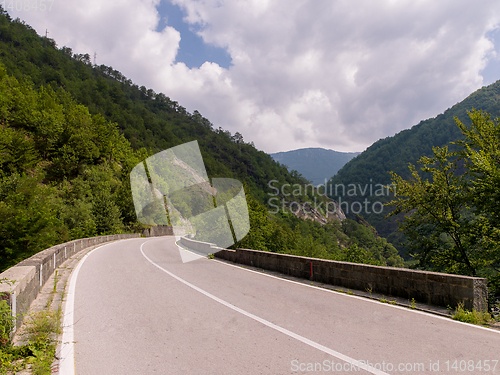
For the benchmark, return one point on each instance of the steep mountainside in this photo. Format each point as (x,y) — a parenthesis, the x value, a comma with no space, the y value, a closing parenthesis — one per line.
(361,178)
(147,119)
(315,164)
(394,153)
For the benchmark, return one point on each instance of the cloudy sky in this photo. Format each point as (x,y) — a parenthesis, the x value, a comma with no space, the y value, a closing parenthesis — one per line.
(290,74)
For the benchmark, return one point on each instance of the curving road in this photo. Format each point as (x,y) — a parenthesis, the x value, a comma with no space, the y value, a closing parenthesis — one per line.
(134,308)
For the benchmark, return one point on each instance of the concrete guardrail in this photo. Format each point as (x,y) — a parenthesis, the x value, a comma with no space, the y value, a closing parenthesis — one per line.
(27,277)
(434,288)
(439,289)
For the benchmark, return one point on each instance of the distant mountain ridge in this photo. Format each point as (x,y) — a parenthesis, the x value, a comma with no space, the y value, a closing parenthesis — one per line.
(314,164)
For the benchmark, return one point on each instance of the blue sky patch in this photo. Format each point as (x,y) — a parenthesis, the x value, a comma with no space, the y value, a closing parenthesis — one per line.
(491,73)
(192,50)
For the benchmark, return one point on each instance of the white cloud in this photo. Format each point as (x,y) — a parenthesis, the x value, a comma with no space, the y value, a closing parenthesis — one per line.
(334,74)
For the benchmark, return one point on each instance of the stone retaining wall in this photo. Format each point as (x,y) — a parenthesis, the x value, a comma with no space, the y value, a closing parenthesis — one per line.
(427,287)
(159,230)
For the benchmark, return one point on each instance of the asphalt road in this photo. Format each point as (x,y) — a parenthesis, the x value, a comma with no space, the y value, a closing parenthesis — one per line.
(139,310)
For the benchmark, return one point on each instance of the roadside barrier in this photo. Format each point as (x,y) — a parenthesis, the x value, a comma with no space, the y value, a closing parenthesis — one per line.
(27,278)
(433,288)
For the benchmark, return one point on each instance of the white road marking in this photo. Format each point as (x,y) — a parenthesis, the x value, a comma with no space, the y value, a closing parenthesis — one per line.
(67,348)
(267,323)
(363,298)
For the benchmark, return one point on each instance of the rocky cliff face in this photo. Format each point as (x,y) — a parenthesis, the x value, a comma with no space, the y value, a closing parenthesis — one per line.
(322,212)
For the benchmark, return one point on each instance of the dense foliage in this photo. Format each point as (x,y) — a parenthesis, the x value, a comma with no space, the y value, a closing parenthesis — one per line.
(63,171)
(337,240)
(452,219)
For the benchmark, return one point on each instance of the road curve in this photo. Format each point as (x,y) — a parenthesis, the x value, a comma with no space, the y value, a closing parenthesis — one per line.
(139,310)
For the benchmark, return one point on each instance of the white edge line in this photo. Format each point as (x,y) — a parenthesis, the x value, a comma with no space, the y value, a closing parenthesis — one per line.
(67,349)
(267,323)
(358,297)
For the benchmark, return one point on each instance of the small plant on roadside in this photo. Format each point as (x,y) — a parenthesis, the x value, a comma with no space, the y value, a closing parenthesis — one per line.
(8,357)
(43,325)
(55,282)
(495,311)
(12,359)
(474,316)
(210,256)
(41,336)
(383,300)
(6,323)
(413,303)
(393,302)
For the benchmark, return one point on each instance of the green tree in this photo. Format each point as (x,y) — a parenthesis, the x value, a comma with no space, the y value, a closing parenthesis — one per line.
(453,221)
(437,225)
(481,152)
(29,217)
(357,254)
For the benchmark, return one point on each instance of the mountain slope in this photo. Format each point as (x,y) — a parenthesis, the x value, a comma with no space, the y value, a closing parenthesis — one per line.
(315,164)
(362,177)
(147,119)
(394,153)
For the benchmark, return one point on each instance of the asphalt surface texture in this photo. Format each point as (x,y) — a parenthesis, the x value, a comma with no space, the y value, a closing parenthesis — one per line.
(138,309)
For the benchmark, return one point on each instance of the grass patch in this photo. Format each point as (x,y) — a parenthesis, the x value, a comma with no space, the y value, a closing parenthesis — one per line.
(38,352)
(474,316)
(39,335)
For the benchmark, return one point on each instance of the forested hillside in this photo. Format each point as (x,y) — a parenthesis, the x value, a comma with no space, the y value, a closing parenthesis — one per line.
(63,171)
(147,119)
(71,132)
(394,153)
(371,168)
